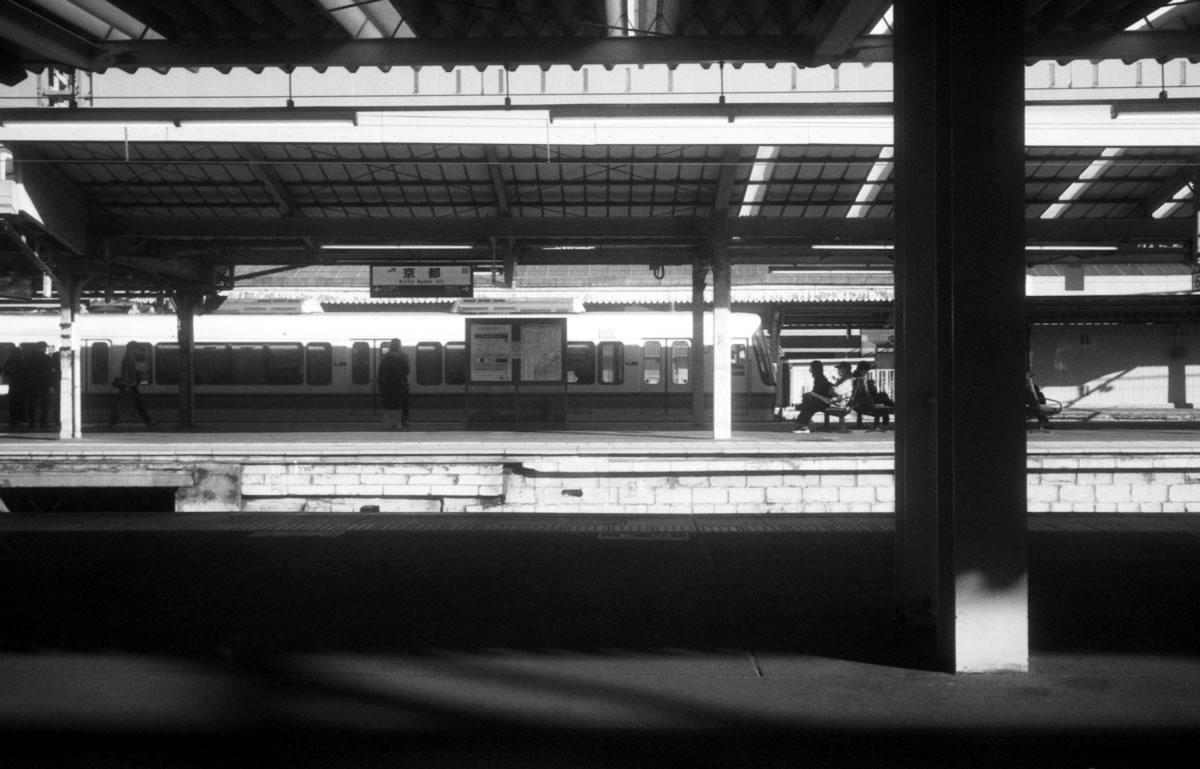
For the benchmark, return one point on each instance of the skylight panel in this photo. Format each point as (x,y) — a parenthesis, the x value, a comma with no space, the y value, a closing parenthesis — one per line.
(1147,21)
(884,27)
(1181,196)
(756,187)
(870,189)
(1075,189)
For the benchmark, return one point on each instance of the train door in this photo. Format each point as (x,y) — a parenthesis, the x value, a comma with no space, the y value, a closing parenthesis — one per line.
(739,373)
(362,392)
(666,376)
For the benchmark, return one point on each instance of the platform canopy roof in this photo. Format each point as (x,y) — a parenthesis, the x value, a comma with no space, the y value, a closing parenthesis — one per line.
(182,192)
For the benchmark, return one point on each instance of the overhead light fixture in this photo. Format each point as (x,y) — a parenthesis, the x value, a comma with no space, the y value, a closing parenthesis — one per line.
(1070,248)
(853,247)
(394,247)
(857,269)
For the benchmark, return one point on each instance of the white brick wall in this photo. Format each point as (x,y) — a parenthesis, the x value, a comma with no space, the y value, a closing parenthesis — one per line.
(1097,483)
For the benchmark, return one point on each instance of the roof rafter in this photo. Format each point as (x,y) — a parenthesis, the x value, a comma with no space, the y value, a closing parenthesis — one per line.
(45,44)
(840,26)
(363,229)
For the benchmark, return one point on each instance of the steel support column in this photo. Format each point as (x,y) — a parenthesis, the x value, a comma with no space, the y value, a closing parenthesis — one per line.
(960,441)
(722,276)
(699,275)
(185,315)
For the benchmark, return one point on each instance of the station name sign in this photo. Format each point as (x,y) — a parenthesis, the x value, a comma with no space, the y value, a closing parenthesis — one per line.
(413,280)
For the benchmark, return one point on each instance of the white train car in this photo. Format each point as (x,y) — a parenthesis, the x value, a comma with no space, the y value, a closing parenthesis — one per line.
(320,367)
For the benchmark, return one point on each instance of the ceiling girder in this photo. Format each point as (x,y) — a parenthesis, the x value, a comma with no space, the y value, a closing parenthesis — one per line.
(48,42)
(47,45)
(841,25)
(565,229)
(510,52)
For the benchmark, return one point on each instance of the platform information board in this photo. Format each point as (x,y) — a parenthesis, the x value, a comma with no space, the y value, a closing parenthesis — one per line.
(517,370)
(531,351)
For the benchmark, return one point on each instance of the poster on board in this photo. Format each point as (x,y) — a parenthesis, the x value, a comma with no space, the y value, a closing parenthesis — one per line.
(491,351)
(542,351)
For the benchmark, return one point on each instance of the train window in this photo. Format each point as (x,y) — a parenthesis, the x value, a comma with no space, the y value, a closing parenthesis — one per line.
(285,364)
(98,364)
(166,363)
(737,358)
(680,361)
(318,363)
(581,362)
(429,363)
(248,364)
(762,356)
(652,363)
(214,364)
(360,363)
(612,363)
(456,363)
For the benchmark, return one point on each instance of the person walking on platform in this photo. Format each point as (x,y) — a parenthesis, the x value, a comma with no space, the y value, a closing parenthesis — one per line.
(129,381)
(393,385)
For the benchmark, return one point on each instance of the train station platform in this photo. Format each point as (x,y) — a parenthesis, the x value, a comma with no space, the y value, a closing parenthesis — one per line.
(585,469)
(573,641)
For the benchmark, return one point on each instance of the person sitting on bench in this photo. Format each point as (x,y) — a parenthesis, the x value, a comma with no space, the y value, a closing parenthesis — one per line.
(868,401)
(824,394)
(1034,402)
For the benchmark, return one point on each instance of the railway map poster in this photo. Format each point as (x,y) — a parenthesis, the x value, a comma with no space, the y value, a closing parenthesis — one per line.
(490,346)
(542,351)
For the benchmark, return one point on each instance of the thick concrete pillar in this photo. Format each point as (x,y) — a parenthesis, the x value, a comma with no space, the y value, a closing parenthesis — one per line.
(699,275)
(722,366)
(960,435)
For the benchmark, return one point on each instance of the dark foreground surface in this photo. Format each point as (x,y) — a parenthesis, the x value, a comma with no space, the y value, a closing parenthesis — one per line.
(163,641)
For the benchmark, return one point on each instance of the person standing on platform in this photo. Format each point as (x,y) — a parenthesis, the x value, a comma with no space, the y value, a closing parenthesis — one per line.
(16,371)
(38,407)
(129,381)
(393,385)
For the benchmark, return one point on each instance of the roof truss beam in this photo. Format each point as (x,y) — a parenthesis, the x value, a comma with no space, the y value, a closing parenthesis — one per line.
(566,229)
(44,40)
(47,45)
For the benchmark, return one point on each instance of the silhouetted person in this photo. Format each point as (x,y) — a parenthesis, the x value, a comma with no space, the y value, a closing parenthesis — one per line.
(38,396)
(128,382)
(1034,400)
(867,400)
(393,385)
(16,371)
(819,397)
